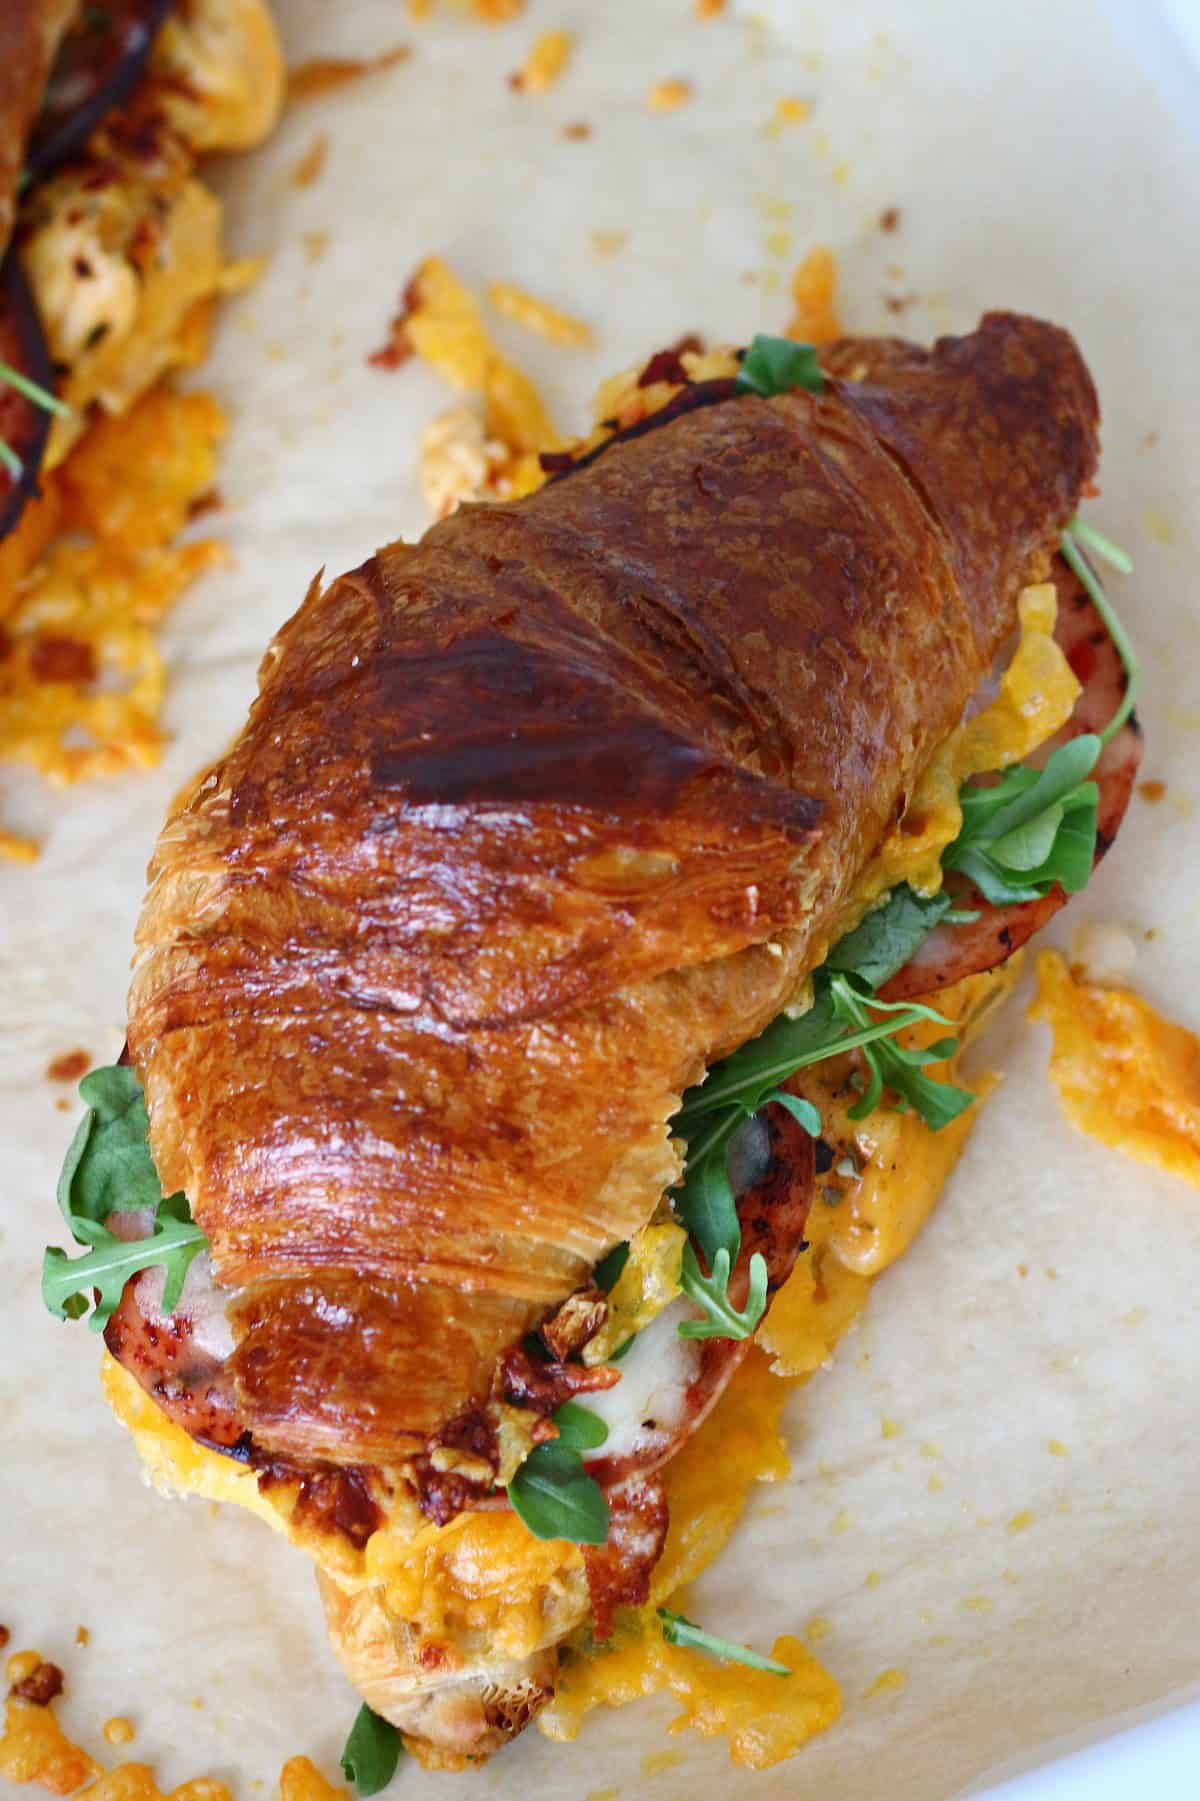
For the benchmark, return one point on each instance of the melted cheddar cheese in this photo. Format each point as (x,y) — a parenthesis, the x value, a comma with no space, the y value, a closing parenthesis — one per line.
(177,1466)
(765,1717)
(1036,695)
(1125,1075)
(82,680)
(647,1284)
(483,1581)
(123,250)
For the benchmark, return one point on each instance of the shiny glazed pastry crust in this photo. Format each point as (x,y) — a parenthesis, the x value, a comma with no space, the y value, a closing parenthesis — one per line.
(534,820)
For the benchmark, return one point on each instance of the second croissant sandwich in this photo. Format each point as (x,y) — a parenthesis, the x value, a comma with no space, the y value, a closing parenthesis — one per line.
(565,911)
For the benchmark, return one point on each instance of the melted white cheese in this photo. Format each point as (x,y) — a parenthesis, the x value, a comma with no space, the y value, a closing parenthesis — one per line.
(650,1400)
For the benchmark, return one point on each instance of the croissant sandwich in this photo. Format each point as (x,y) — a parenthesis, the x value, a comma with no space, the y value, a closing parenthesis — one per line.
(594,884)
(110,245)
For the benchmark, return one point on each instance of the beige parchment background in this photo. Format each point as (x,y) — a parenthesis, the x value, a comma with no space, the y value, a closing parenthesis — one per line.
(1033,168)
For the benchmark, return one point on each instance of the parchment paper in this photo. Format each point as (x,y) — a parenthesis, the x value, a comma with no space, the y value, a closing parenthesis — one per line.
(1033,168)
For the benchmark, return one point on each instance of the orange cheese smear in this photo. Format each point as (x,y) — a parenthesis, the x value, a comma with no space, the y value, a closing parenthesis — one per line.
(815,320)
(858,1225)
(766,1718)
(81,677)
(1125,1075)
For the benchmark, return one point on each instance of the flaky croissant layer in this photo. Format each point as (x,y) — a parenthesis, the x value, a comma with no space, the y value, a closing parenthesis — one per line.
(532,821)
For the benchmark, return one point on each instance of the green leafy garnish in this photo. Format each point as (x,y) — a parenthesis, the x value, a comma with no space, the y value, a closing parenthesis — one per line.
(552,1493)
(1076,534)
(889,936)
(67,1281)
(371,1752)
(777,365)
(677,1630)
(1092,539)
(1032,829)
(843,1017)
(712,1293)
(610,1266)
(891,1066)
(108,1169)
(34,391)
(579,1429)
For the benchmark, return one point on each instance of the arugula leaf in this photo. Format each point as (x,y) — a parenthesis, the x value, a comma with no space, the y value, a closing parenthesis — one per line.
(1073,555)
(108,1167)
(68,1281)
(608,1270)
(893,1067)
(802,1111)
(1094,540)
(678,1630)
(712,1293)
(579,1429)
(552,1493)
(777,365)
(371,1752)
(705,1203)
(33,390)
(886,939)
(840,1019)
(554,1497)
(743,1082)
(1032,829)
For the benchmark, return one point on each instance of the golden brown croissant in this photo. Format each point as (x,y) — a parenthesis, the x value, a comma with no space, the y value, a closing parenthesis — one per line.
(533,821)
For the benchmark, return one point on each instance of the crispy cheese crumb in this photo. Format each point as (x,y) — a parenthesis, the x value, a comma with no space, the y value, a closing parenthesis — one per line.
(545,63)
(445,327)
(325,74)
(538,315)
(300,1780)
(788,112)
(308,169)
(82,683)
(813,285)
(457,460)
(608,243)
(888,1682)
(667,96)
(709,9)
(118,1731)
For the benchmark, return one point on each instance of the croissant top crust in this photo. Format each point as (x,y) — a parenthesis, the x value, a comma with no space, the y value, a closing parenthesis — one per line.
(533,820)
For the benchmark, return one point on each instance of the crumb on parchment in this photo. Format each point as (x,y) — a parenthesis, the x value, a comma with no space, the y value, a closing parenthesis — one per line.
(667,96)
(546,63)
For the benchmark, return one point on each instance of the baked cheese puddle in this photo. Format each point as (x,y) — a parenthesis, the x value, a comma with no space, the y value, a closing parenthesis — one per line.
(1125,1075)
(34,1748)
